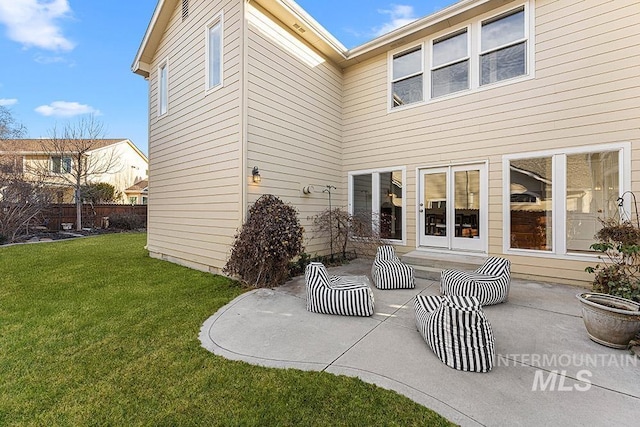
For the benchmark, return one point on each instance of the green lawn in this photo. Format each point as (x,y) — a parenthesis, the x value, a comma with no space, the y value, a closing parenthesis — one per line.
(94,332)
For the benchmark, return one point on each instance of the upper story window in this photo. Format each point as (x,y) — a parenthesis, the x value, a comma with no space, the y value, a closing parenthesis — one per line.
(61,164)
(503,47)
(407,83)
(163,88)
(489,50)
(450,64)
(214,53)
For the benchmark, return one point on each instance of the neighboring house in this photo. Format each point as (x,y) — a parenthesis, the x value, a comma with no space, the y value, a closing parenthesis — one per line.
(138,193)
(492,127)
(41,160)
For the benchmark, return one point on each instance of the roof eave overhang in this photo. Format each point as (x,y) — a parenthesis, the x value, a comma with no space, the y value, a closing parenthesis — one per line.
(290,14)
(161,15)
(436,22)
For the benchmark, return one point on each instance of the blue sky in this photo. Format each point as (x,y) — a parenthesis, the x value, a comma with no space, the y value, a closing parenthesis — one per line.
(65,58)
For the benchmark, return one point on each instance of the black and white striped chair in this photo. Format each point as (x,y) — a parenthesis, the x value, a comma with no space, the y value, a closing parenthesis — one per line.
(388,272)
(457,331)
(489,283)
(344,295)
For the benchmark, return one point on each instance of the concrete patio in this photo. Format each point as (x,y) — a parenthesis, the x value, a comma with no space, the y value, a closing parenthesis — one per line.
(547,371)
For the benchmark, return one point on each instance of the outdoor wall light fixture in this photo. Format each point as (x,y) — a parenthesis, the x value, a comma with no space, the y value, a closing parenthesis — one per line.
(256,175)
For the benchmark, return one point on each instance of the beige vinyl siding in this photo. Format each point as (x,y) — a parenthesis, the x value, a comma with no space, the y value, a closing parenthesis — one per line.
(294,125)
(585,92)
(195,193)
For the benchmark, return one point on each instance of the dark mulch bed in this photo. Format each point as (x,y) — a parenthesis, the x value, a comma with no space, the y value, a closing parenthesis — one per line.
(48,235)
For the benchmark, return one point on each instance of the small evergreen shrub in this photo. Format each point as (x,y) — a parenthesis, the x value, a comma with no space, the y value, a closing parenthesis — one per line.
(126,221)
(270,238)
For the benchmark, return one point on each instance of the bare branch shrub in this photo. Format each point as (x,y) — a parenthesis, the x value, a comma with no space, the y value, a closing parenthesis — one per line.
(349,234)
(269,239)
(21,201)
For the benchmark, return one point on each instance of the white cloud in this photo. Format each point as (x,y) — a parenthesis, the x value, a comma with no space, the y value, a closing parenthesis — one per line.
(4,102)
(399,14)
(66,109)
(34,23)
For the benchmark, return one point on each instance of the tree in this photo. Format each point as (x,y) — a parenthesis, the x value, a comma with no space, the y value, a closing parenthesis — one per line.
(20,200)
(9,127)
(71,160)
(358,234)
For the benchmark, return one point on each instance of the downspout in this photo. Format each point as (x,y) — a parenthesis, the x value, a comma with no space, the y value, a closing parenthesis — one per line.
(243,115)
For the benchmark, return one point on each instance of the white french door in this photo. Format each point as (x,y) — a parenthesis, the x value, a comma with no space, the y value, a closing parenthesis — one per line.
(453,207)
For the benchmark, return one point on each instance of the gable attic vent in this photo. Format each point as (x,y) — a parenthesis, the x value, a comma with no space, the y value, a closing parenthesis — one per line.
(299,28)
(185,9)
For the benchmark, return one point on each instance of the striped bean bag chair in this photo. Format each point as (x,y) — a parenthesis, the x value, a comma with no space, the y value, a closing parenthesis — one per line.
(388,272)
(489,283)
(344,295)
(457,331)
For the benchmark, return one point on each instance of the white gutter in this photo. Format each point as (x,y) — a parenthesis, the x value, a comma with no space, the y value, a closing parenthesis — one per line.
(308,21)
(415,26)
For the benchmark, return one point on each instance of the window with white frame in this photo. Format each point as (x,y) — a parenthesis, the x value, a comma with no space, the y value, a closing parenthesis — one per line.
(491,49)
(214,53)
(450,64)
(376,198)
(555,199)
(407,84)
(163,88)
(503,47)
(60,164)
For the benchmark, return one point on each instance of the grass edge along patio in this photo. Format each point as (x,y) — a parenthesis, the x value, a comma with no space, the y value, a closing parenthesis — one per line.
(94,331)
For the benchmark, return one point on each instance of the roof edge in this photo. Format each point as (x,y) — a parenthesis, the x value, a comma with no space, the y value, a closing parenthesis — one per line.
(343,56)
(296,10)
(139,66)
(415,26)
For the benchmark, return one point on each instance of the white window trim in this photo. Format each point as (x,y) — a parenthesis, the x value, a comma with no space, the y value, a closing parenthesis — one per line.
(467,30)
(375,196)
(218,19)
(62,161)
(484,204)
(559,196)
(529,19)
(163,64)
(391,80)
(474,60)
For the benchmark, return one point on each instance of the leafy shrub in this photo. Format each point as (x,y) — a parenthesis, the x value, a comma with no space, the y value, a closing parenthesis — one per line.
(297,267)
(263,247)
(101,192)
(619,272)
(126,221)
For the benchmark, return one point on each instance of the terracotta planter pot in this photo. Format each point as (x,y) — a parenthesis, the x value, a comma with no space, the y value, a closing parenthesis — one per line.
(610,320)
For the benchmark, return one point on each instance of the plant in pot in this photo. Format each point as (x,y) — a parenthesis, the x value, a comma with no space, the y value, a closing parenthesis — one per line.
(611,313)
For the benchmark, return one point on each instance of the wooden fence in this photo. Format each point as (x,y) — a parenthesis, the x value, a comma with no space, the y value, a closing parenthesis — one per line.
(93,216)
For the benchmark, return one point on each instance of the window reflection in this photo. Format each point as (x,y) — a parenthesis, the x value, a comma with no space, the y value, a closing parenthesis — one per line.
(531,203)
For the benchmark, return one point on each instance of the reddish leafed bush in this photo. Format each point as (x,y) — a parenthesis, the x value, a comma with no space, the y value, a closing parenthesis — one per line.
(269,239)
